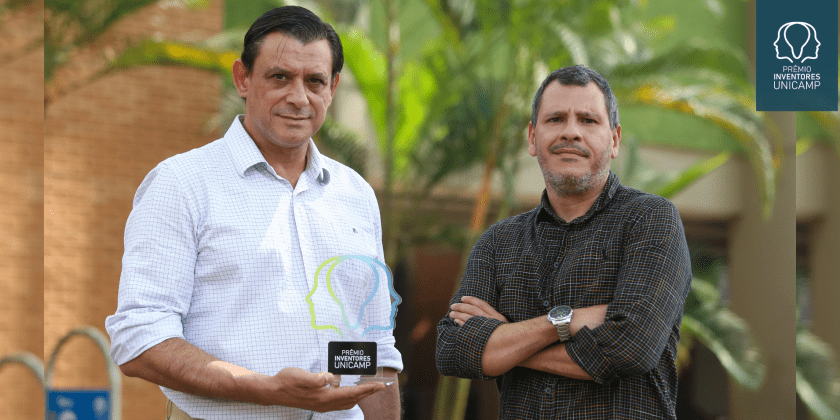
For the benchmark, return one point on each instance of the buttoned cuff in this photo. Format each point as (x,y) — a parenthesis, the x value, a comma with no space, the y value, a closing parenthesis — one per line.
(585,351)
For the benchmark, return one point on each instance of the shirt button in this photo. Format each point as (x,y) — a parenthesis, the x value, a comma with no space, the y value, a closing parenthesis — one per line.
(545,303)
(556,264)
(548,390)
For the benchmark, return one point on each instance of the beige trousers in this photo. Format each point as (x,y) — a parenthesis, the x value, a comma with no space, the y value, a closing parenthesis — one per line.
(175,413)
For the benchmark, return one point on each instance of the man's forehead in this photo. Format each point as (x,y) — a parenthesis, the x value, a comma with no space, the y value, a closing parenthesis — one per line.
(280,50)
(558,97)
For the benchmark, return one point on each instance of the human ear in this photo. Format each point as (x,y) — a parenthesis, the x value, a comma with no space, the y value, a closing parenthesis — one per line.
(532,146)
(616,141)
(240,78)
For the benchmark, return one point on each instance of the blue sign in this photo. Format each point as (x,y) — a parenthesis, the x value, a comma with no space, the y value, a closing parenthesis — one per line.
(796,55)
(78,404)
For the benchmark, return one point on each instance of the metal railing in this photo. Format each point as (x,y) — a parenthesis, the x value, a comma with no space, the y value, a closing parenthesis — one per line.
(114,373)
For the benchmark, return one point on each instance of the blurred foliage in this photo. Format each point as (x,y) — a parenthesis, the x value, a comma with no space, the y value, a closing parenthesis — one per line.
(632,171)
(707,319)
(70,24)
(820,126)
(10,5)
(817,374)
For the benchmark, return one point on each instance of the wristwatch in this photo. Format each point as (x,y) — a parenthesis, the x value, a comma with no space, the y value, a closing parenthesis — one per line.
(560,316)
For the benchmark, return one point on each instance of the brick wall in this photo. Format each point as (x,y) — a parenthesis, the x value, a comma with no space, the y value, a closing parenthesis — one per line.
(100,139)
(21,207)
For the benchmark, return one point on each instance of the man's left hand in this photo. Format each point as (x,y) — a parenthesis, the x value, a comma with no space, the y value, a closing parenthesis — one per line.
(472,306)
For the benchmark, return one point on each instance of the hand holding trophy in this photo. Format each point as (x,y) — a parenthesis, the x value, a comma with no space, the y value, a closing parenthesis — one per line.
(352,299)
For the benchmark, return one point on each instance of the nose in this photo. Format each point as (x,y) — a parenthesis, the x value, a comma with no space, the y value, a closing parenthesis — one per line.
(571,131)
(297,94)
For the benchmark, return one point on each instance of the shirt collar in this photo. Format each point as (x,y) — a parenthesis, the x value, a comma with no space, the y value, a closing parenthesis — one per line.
(610,187)
(246,154)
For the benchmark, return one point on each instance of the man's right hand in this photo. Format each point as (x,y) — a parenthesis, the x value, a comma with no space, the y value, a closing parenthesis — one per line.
(178,365)
(295,387)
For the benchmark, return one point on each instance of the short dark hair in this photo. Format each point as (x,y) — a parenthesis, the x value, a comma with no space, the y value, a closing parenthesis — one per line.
(578,75)
(297,22)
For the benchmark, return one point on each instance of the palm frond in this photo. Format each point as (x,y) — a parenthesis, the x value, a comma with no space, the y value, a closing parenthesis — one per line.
(692,174)
(817,380)
(713,105)
(724,333)
(696,58)
(151,52)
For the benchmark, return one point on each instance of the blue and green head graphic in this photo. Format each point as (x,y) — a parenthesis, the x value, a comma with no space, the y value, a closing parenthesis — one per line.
(357,288)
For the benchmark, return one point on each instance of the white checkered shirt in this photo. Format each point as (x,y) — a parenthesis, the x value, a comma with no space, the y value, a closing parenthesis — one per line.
(222,252)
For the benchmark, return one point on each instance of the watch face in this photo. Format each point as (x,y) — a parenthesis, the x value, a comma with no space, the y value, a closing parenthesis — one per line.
(560,312)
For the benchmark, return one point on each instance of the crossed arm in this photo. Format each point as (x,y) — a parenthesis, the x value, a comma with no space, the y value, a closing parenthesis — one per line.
(528,343)
(625,338)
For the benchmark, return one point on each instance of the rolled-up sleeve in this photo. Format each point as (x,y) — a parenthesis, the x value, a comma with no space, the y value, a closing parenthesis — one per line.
(158,267)
(647,307)
(460,348)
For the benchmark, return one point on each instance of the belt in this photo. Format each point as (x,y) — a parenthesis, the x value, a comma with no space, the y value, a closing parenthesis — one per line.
(175,413)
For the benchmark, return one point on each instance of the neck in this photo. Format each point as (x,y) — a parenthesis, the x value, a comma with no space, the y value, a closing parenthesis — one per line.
(570,207)
(288,162)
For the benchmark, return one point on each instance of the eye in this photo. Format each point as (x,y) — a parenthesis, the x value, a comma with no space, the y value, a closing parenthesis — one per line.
(589,121)
(280,76)
(316,80)
(554,119)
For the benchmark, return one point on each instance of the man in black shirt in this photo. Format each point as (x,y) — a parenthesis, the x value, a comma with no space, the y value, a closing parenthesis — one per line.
(575,306)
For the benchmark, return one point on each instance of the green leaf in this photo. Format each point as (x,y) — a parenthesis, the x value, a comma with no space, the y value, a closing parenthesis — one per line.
(369,68)
(173,54)
(714,105)
(574,44)
(803,145)
(817,380)
(692,58)
(660,26)
(418,28)
(692,174)
(724,333)
(447,21)
(417,86)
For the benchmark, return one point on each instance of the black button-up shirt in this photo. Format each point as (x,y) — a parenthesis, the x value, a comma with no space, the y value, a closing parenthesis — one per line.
(628,251)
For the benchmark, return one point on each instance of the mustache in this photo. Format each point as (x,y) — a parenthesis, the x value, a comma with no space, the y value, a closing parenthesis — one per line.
(569,146)
(294,112)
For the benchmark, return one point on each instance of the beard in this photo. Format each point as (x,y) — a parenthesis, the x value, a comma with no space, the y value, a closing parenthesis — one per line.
(568,185)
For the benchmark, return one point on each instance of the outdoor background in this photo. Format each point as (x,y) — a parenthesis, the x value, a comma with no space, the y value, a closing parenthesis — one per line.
(432,111)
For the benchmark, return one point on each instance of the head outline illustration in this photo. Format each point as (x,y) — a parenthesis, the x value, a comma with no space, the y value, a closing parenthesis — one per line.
(782,34)
(372,263)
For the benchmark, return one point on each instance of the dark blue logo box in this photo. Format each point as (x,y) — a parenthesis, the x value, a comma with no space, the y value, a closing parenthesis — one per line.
(796,55)
(78,404)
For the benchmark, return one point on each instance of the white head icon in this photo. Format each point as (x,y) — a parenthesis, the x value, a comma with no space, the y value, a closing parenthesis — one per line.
(797,53)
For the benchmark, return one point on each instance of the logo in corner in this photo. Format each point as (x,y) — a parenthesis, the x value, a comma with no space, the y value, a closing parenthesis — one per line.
(809,49)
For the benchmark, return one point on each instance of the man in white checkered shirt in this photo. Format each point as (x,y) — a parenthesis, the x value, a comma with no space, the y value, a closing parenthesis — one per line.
(223,242)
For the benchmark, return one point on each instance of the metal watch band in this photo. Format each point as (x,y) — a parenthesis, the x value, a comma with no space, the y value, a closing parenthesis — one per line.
(563,331)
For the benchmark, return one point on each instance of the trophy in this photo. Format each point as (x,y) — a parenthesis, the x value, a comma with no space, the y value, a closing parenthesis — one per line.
(351,298)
